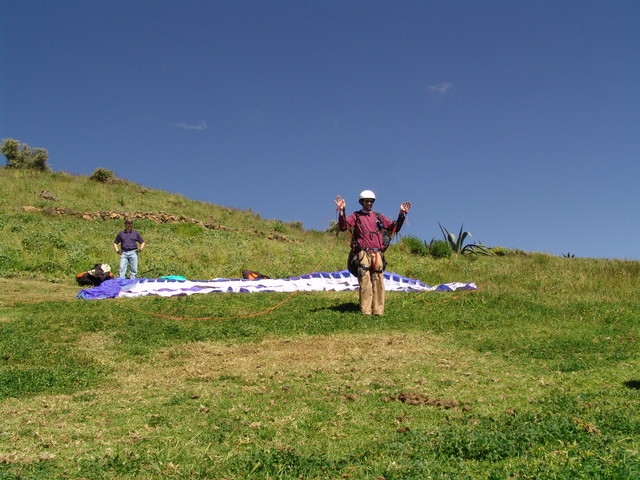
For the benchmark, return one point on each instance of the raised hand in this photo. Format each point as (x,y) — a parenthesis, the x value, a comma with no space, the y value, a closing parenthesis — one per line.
(340,202)
(405,207)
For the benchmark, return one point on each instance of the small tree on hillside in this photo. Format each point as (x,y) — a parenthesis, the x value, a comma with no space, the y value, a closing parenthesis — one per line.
(101,175)
(20,155)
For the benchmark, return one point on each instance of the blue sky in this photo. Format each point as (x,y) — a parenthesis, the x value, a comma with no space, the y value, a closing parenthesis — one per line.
(518,119)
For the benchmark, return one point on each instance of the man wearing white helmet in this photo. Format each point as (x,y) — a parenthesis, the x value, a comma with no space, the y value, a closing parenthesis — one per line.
(368,246)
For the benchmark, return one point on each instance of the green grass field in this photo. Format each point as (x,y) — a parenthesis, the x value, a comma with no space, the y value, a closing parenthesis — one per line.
(534,376)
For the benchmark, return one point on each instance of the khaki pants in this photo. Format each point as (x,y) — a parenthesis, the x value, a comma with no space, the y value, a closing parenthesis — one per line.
(371,280)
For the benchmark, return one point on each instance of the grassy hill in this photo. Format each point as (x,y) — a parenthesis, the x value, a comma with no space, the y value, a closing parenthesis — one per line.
(71,226)
(534,376)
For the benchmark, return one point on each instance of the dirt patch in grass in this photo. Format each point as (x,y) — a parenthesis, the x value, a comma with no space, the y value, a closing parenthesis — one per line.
(99,347)
(17,291)
(364,355)
(363,363)
(420,399)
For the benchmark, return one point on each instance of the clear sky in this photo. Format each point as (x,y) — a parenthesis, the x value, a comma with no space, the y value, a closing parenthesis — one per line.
(518,119)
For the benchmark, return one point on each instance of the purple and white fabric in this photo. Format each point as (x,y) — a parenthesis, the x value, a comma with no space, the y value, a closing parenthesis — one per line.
(311,282)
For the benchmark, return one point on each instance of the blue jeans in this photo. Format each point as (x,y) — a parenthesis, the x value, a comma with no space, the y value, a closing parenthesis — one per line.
(129,258)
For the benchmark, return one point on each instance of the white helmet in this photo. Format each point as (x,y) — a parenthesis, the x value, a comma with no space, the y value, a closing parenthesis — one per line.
(367,194)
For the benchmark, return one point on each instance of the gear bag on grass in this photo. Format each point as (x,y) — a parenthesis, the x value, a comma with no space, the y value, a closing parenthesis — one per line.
(94,277)
(251,275)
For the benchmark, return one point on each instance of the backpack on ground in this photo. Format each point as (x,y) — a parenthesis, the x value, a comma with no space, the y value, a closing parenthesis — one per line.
(94,277)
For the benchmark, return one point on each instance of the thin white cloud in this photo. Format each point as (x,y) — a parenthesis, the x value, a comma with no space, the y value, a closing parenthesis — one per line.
(442,89)
(201,125)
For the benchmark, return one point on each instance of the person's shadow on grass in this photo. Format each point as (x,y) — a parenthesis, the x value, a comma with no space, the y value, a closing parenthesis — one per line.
(349,307)
(633,384)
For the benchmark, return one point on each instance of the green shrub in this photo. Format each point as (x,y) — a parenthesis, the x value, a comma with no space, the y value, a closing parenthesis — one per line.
(439,249)
(415,245)
(499,251)
(101,175)
(20,155)
(505,252)
(297,225)
(333,227)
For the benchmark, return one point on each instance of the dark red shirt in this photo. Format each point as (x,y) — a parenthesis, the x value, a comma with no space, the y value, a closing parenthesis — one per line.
(366,232)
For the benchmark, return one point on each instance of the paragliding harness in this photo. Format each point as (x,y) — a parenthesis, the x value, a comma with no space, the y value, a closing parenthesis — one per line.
(352,261)
(251,275)
(94,277)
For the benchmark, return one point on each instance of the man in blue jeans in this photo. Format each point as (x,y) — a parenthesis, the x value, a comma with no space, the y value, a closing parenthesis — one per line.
(127,244)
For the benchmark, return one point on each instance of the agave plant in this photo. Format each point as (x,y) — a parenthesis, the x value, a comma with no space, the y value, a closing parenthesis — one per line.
(457,243)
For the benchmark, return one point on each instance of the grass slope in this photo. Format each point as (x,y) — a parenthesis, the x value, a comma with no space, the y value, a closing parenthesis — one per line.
(534,376)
